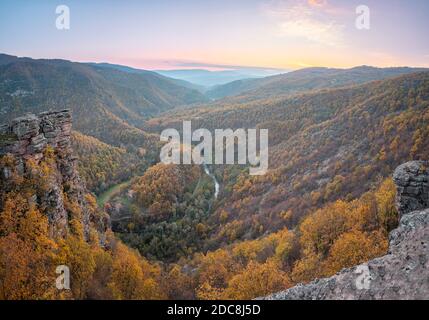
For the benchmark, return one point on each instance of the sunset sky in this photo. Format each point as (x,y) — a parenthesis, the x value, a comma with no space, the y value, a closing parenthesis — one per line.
(220,34)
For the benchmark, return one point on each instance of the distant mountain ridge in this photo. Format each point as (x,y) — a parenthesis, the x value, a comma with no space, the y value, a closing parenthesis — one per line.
(304,80)
(123,68)
(208,78)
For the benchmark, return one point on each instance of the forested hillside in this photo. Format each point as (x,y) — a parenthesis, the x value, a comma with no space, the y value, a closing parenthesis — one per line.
(324,146)
(303,80)
(49,219)
(102,165)
(106,103)
(326,202)
(179,82)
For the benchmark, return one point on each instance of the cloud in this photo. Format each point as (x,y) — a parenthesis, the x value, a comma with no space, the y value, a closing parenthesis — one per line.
(197,64)
(220,67)
(317,3)
(328,33)
(306,21)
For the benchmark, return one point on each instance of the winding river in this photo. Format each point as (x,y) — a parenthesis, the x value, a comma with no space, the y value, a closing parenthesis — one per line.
(114,190)
(211,175)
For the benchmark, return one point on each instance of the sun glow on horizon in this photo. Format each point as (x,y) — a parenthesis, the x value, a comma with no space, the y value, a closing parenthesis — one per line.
(221,35)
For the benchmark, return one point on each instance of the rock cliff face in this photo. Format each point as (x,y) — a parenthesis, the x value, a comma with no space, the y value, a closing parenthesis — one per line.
(412,183)
(26,138)
(404,272)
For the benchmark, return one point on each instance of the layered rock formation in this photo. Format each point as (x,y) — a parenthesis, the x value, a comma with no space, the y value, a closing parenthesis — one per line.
(26,138)
(404,272)
(412,183)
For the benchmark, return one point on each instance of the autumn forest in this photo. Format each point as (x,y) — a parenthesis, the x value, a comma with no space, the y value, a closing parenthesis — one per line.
(82,185)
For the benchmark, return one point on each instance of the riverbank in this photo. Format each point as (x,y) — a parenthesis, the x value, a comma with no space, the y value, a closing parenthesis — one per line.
(114,190)
(211,175)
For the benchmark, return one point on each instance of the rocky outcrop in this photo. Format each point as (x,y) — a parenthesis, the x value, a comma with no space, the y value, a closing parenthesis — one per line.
(412,181)
(27,138)
(401,274)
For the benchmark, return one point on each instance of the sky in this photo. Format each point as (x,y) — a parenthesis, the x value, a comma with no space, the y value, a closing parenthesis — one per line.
(220,34)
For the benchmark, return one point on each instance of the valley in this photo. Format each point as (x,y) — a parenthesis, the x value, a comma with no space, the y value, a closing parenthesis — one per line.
(215,153)
(327,201)
(113,191)
(216,183)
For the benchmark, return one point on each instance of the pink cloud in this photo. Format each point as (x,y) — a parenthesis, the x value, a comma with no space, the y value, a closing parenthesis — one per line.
(317,3)
(308,21)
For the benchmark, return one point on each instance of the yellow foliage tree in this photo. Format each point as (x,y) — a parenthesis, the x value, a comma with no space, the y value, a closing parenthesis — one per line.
(353,248)
(256,280)
(129,280)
